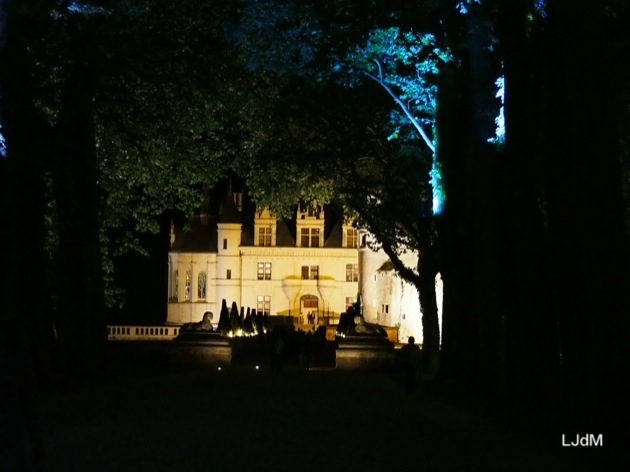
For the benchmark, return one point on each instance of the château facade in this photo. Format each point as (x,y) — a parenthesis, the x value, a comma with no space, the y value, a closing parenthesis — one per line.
(315,263)
(299,267)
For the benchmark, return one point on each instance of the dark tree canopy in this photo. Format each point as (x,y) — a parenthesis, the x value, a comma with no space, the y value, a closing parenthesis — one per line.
(137,105)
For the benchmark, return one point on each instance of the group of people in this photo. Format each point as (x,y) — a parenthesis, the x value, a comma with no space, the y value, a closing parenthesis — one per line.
(310,318)
(295,344)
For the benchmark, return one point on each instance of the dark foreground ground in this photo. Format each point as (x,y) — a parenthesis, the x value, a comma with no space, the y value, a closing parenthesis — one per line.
(147,418)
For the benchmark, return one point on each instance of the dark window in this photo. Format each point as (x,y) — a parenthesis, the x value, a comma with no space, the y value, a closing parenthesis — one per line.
(310,272)
(309,237)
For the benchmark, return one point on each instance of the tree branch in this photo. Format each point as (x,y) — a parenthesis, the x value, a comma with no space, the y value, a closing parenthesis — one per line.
(405,272)
(379,80)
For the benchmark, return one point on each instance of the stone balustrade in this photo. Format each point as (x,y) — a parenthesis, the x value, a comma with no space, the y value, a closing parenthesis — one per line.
(141,333)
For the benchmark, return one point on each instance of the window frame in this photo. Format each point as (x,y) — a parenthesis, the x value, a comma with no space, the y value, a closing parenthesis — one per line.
(202,284)
(350,301)
(311,236)
(263,304)
(264,236)
(263,271)
(352,238)
(310,272)
(352,272)
(188,286)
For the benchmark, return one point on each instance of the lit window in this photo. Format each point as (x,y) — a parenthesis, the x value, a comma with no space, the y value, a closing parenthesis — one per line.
(352,237)
(263,304)
(201,285)
(309,237)
(264,236)
(188,285)
(349,302)
(264,271)
(310,272)
(352,272)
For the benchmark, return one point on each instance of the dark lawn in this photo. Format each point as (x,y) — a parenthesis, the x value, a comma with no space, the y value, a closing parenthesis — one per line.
(145,418)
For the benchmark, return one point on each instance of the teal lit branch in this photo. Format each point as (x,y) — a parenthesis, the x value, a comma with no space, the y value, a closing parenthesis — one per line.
(406,65)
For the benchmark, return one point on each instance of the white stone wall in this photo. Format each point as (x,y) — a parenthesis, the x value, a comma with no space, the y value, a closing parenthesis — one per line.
(389,300)
(285,287)
(188,310)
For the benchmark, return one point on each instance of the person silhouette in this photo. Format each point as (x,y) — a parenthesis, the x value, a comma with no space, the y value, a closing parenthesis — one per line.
(410,360)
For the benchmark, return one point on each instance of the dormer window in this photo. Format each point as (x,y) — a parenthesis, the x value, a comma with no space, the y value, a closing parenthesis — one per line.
(311,212)
(352,237)
(310,226)
(264,236)
(264,228)
(309,237)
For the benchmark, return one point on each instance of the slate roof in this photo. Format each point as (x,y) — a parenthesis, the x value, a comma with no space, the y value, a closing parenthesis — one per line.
(285,233)
(387,266)
(200,235)
(228,212)
(333,231)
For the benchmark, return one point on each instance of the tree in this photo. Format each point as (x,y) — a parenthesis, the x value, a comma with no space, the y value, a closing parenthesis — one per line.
(535,192)
(22,169)
(124,120)
(583,177)
(224,325)
(404,65)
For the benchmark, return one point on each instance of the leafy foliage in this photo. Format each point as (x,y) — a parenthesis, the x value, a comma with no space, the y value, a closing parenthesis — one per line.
(163,99)
(325,134)
(406,61)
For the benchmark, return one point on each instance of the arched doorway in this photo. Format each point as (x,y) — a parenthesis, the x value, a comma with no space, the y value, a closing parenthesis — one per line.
(309,309)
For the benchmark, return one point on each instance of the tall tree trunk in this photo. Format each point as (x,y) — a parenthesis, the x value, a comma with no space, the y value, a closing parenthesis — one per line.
(425,284)
(82,321)
(460,346)
(532,344)
(24,292)
(589,252)
(424,281)
(470,234)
